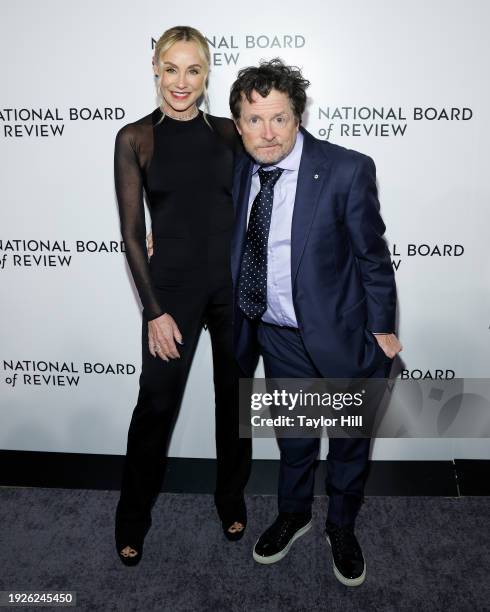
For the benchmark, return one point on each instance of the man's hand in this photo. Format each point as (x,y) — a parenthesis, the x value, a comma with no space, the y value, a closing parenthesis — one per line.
(162,335)
(389,343)
(149,244)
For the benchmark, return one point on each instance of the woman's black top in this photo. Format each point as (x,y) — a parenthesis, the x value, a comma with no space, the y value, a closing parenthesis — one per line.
(185,169)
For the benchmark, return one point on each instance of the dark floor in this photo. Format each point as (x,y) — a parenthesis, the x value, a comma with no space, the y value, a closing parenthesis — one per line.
(422,553)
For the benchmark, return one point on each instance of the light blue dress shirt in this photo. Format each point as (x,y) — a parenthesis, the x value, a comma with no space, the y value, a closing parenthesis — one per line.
(280,309)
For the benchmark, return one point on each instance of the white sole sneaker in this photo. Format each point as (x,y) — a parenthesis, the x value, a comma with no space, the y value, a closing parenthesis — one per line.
(282,553)
(341,578)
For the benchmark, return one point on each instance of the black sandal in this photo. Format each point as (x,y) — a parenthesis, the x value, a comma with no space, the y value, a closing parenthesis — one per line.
(128,536)
(233,536)
(231,514)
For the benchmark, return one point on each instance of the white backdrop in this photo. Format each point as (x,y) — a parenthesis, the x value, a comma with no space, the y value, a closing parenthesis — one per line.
(63,304)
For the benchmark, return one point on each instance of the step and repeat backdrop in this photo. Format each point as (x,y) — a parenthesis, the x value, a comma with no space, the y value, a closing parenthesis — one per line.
(405,83)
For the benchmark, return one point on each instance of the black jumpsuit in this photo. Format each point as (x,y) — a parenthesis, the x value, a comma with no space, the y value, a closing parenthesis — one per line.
(185,169)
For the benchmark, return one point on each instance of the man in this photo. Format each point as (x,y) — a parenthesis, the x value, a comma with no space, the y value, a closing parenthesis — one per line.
(314,291)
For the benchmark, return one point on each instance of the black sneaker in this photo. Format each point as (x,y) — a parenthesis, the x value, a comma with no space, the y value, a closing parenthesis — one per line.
(348,561)
(274,544)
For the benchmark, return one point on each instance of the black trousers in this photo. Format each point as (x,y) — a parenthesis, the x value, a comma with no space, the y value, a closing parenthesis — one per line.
(285,356)
(161,388)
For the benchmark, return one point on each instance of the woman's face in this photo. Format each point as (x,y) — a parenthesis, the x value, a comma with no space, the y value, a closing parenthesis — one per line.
(183,77)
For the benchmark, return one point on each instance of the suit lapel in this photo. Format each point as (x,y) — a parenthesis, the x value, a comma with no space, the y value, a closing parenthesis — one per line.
(313,171)
(241,192)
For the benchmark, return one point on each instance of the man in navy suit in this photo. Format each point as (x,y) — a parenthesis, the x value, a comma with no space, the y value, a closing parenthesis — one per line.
(314,291)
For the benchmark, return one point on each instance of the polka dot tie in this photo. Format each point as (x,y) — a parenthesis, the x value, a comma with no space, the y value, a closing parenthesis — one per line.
(252,283)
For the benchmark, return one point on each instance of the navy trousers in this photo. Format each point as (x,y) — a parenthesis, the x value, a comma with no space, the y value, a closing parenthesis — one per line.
(285,356)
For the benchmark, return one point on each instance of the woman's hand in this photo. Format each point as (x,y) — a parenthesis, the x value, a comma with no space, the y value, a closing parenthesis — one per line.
(149,244)
(162,335)
(163,331)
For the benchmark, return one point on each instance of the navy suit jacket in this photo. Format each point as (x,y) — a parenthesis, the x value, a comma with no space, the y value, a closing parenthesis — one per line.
(342,278)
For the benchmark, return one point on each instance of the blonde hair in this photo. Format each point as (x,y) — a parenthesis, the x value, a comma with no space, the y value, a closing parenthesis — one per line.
(169,38)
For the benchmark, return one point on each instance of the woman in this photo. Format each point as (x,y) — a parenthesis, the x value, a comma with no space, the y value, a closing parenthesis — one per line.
(183,160)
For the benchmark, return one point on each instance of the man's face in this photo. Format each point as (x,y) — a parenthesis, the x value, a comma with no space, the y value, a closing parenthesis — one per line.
(268,127)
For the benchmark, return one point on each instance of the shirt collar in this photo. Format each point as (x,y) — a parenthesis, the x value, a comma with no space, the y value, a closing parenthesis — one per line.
(291,161)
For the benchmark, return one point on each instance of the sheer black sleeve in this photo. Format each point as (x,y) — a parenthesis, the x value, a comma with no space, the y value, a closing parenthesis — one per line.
(129,192)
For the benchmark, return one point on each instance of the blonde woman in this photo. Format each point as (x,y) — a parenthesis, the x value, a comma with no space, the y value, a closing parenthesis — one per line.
(183,160)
